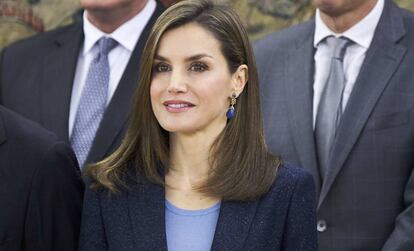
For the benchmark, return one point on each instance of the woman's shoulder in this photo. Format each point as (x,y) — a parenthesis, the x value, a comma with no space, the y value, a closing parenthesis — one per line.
(289,179)
(291,173)
(129,177)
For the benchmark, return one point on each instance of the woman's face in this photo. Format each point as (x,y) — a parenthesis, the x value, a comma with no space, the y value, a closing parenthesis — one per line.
(191,83)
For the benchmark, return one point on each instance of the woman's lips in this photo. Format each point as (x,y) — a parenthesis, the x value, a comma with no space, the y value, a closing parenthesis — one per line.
(176,106)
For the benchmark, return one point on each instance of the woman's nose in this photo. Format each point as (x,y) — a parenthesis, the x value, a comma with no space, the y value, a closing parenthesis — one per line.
(178,82)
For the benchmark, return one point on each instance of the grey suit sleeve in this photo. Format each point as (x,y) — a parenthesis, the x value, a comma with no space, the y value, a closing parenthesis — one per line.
(92,235)
(55,202)
(402,237)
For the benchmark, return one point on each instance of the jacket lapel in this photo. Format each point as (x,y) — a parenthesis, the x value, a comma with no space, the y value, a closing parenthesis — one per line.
(232,231)
(299,86)
(116,114)
(146,203)
(58,73)
(382,60)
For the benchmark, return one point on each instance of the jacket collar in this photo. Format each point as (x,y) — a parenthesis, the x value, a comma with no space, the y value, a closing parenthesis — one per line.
(146,204)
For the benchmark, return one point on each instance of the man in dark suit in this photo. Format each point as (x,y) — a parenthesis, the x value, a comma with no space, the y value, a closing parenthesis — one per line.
(53,78)
(40,188)
(345,112)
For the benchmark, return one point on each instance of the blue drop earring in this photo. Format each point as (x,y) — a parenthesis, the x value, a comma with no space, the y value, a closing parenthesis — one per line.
(231,111)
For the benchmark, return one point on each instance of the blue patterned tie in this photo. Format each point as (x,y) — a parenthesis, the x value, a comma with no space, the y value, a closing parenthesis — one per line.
(93,101)
(330,106)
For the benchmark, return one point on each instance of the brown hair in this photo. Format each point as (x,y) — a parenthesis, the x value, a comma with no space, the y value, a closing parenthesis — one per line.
(242,168)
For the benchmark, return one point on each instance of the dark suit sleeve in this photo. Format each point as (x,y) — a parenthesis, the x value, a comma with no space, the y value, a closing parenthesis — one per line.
(1,76)
(55,202)
(92,235)
(402,237)
(300,233)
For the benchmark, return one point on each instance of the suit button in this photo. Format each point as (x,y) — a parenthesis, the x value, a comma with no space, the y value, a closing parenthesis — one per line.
(321,226)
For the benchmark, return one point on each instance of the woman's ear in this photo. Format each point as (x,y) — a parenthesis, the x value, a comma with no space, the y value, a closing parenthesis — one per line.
(239,79)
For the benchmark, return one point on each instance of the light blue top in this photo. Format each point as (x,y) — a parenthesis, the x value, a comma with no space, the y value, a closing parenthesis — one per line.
(190,229)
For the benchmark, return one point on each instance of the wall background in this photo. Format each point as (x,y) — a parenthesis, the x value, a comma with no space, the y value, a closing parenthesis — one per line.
(23,18)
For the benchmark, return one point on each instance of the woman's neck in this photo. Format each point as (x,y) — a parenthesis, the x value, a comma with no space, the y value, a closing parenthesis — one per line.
(189,168)
(189,156)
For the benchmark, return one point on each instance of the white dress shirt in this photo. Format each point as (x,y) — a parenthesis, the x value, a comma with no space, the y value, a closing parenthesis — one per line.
(126,35)
(361,34)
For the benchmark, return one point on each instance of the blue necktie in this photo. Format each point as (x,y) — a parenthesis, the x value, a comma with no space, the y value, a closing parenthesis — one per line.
(93,101)
(330,105)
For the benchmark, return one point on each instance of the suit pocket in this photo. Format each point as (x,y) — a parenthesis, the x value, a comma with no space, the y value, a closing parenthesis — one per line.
(390,120)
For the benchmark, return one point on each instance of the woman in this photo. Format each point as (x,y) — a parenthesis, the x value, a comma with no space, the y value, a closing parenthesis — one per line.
(193,171)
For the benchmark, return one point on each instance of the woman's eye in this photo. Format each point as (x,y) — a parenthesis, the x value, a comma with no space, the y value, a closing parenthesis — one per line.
(161,67)
(200,67)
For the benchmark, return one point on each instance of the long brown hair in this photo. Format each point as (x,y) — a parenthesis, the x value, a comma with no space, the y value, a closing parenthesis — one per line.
(242,168)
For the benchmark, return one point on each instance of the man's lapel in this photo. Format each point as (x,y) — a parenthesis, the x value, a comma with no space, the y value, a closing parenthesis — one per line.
(4,161)
(116,114)
(59,67)
(382,60)
(298,81)
(2,129)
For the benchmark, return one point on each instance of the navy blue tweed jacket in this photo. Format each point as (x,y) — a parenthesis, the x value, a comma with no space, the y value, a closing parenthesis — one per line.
(283,219)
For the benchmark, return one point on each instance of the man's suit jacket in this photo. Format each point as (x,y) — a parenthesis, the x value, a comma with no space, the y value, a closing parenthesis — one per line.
(134,219)
(36,79)
(366,201)
(41,190)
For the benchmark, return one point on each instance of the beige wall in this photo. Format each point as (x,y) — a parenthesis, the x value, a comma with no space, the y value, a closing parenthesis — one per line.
(23,18)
